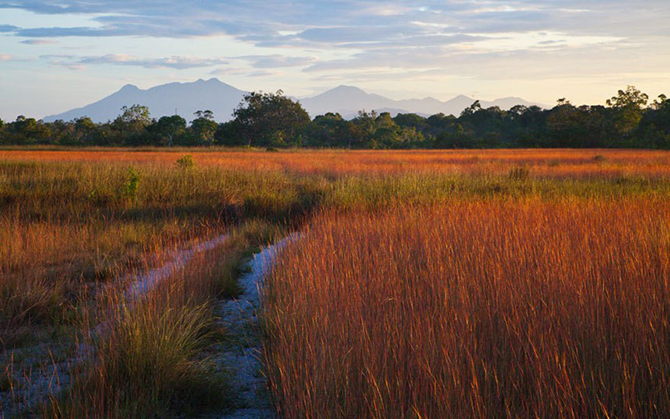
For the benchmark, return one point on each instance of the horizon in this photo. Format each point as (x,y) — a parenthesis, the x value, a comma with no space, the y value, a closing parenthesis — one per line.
(56,58)
(299,99)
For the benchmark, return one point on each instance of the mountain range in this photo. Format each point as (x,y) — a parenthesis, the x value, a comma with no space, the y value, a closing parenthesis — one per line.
(186,98)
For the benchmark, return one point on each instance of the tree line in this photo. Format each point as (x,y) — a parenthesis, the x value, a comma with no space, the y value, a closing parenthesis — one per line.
(273,120)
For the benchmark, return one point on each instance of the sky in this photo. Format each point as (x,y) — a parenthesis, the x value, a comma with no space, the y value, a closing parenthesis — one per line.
(57,55)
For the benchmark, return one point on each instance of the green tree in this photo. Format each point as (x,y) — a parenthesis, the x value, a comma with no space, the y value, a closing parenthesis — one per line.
(133,120)
(203,128)
(29,130)
(629,106)
(472,109)
(169,128)
(84,129)
(207,114)
(362,129)
(264,119)
(329,130)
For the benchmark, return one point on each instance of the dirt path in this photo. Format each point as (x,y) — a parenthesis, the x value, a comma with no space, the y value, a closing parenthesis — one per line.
(241,355)
(49,363)
(142,284)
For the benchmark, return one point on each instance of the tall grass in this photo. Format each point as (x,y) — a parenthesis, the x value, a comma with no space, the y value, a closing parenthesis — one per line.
(74,224)
(503,308)
(143,358)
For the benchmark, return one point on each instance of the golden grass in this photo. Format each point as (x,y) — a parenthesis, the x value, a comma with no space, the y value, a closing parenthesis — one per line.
(475,309)
(535,243)
(143,357)
(553,162)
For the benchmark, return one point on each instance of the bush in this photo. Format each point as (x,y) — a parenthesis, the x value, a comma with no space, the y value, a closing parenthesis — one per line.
(131,185)
(185,162)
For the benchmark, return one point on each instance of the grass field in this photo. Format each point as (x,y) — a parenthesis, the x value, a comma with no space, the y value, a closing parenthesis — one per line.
(485,283)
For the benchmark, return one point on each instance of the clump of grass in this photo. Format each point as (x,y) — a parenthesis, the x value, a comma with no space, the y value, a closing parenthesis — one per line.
(519,173)
(599,158)
(145,365)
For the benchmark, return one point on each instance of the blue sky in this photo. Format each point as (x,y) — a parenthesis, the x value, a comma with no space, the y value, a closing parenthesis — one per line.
(58,55)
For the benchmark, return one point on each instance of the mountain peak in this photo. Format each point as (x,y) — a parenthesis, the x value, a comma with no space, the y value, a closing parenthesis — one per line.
(162,100)
(129,88)
(222,99)
(344,88)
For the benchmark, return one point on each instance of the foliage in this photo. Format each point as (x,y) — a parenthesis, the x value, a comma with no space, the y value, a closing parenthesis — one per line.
(185,162)
(273,120)
(131,184)
(264,119)
(169,128)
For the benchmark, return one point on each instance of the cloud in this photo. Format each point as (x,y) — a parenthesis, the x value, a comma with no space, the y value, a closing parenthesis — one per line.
(261,63)
(277,61)
(310,40)
(8,28)
(6,57)
(346,20)
(38,42)
(175,62)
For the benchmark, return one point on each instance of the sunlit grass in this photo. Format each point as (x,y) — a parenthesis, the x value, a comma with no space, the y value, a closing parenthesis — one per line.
(544,232)
(522,308)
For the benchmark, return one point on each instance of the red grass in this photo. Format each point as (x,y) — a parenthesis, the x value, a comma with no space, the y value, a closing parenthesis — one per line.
(558,162)
(485,309)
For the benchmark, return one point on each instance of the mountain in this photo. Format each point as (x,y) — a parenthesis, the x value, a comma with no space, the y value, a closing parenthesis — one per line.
(347,101)
(221,98)
(166,99)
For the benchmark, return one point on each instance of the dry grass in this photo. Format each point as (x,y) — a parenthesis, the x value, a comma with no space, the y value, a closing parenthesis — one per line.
(143,358)
(494,308)
(556,162)
(74,223)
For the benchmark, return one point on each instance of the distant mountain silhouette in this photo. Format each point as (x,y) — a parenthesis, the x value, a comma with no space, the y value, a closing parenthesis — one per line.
(348,100)
(185,98)
(222,99)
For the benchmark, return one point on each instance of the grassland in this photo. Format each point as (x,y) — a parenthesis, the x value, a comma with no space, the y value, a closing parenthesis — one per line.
(427,283)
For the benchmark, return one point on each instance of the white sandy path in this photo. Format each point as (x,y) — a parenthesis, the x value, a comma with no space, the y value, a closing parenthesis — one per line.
(142,284)
(239,318)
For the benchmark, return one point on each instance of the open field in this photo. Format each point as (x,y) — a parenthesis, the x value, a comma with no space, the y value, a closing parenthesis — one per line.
(480,283)
(594,162)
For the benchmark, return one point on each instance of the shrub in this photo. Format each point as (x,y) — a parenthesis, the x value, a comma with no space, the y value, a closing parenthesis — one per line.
(131,184)
(185,162)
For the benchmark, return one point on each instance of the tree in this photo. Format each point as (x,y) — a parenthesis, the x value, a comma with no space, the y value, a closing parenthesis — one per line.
(269,119)
(411,120)
(472,109)
(29,130)
(362,128)
(329,130)
(133,120)
(204,127)
(84,129)
(566,124)
(170,127)
(209,115)
(628,105)
(660,103)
